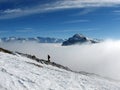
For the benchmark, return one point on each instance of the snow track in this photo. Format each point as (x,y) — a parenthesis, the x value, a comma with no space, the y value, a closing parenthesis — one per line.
(20,73)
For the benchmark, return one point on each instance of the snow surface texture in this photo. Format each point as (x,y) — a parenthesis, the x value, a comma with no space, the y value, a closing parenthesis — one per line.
(21,73)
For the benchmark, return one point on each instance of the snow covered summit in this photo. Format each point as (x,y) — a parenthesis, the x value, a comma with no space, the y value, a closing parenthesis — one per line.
(78,39)
(18,72)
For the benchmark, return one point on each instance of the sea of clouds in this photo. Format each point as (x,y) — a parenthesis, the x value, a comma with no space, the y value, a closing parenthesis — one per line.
(102,58)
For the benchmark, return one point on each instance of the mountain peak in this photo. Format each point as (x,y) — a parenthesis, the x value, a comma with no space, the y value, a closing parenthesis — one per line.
(78,39)
(78,35)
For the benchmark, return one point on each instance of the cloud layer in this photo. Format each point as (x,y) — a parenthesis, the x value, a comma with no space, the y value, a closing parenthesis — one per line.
(102,58)
(53,6)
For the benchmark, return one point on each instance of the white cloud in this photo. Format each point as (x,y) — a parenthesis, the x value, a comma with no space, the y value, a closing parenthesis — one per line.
(76,21)
(24,31)
(63,4)
(3,31)
(102,58)
(28,28)
(3,1)
(78,30)
(9,11)
(85,11)
(85,3)
(117,11)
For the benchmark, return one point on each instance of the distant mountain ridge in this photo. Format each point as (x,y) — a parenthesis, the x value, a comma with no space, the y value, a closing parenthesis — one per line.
(79,39)
(75,39)
(36,39)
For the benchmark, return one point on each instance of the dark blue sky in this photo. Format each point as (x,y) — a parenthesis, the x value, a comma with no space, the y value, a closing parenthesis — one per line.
(60,18)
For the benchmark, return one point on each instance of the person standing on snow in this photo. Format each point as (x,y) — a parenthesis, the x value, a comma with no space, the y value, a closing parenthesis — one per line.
(48,58)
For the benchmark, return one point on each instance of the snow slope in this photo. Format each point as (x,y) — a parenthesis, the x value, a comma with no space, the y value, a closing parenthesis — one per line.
(21,73)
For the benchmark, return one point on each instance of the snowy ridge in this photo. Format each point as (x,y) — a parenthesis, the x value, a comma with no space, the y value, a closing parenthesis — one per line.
(45,61)
(33,39)
(21,73)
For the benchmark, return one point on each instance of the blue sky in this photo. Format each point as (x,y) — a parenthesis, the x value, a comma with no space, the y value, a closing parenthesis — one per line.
(60,18)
